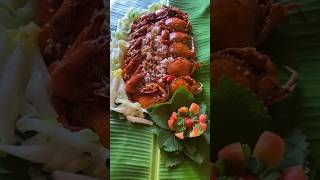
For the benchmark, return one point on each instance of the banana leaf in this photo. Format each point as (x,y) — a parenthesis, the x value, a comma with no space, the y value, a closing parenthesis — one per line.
(134,153)
(297,44)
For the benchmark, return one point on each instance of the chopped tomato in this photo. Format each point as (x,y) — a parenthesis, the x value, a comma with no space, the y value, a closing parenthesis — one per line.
(270,149)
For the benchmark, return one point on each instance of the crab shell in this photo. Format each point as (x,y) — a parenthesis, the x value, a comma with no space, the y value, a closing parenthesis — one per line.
(245,23)
(247,67)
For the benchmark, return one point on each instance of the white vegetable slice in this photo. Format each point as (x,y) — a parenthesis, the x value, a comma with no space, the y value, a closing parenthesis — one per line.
(39,91)
(84,140)
(139,120)
(15,77)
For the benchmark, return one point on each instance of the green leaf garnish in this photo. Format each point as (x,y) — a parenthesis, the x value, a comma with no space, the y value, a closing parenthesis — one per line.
(179,126)
(168,142)
(194,148)
(271,175)
(190,147)
(296,150)
(246,150)
(220,167)
(237,110)
(255,166)
(160,113)
(173,159)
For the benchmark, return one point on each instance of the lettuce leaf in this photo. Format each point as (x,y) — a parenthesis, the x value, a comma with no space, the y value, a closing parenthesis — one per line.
(238,110)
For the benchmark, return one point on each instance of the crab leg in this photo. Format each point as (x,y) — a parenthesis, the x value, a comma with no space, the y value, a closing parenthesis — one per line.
(284,90)
(47,10)
(292,5)
(278,14)
(67,21)
(66,74)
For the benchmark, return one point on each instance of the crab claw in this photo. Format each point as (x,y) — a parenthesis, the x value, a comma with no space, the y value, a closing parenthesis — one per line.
(131,84)
(293,5)
(284,90)
(187,82)
(152,93)
(170,12)
(278,14)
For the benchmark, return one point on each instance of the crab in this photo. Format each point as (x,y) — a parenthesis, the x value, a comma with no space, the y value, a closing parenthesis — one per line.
(80,80)
(182,67)
(252,70)
(161,57)
(159,15)
(62,21)
(245,23)
(70,73)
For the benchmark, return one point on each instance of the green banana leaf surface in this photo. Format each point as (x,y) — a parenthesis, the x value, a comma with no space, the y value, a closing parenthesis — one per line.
(134,152)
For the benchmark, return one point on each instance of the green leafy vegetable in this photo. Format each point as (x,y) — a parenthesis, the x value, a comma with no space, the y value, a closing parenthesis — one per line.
(255,166)
(246,150)
(220,167)
(193,148)
(199,155)
(297,150)
(237,110)
(271,175)
(173,159)
(168,142)
(160,113)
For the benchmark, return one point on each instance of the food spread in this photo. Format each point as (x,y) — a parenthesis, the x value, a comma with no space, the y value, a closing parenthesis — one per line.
(160,57)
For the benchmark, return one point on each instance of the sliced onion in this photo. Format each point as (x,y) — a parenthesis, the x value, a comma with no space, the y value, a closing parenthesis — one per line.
(139,120)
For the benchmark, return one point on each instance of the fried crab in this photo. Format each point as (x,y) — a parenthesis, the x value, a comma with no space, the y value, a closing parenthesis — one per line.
(62,21)
(245,23)
(161,57)
(253,70)
(79,72)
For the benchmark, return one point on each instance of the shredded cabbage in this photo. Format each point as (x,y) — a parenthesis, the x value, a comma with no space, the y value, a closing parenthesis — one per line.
(16,73)
(84,140)
(14,13)
(154,7)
